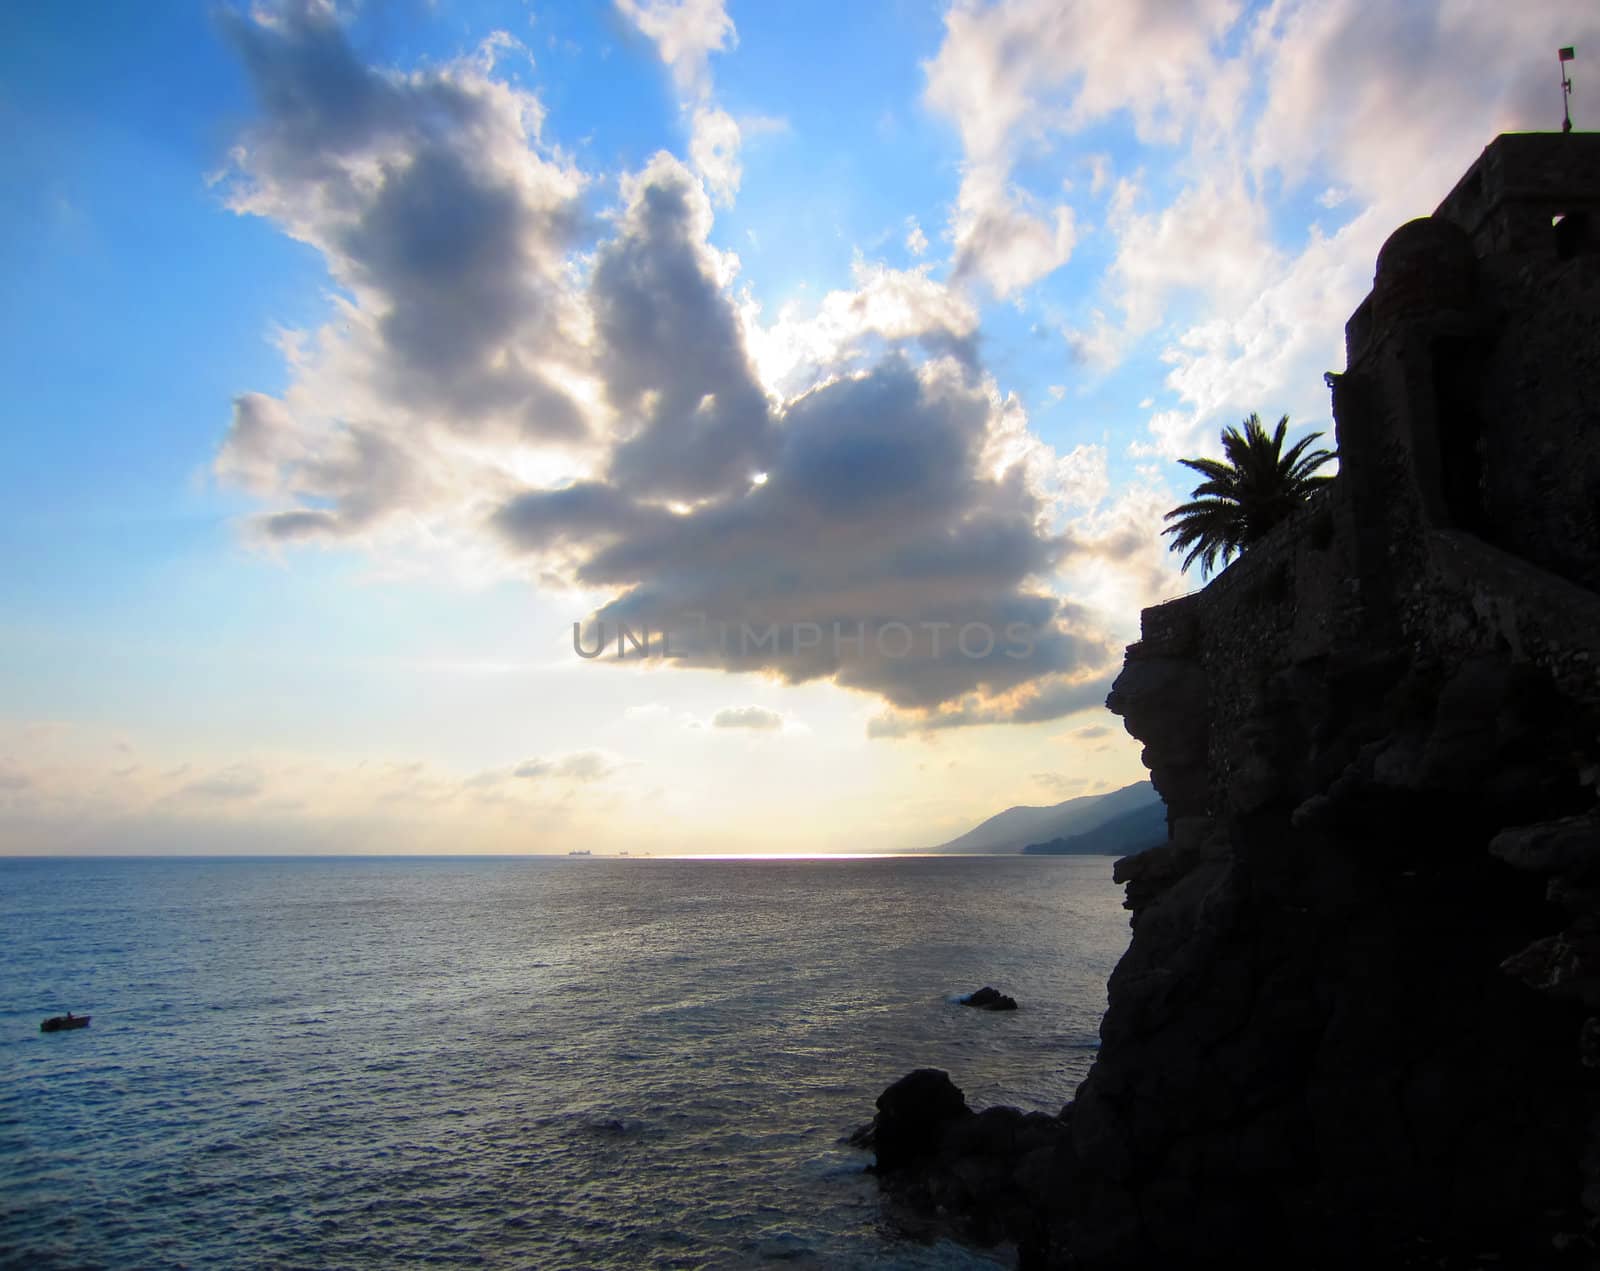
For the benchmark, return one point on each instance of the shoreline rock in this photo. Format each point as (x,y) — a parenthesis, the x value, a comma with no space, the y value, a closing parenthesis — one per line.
(984,1174)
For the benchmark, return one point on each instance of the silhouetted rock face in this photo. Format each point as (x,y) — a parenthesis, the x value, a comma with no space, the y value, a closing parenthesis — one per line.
(1359,1019)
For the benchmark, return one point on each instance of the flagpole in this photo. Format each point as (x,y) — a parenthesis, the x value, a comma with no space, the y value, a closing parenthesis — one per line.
(1564,56)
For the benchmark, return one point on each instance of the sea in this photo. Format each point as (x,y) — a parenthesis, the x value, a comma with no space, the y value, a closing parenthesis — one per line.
(525,1062)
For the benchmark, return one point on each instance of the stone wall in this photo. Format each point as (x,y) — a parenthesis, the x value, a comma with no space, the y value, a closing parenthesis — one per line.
(1468,421)
(1541,456)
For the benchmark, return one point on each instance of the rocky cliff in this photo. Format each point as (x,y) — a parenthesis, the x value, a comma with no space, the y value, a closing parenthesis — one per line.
(1359,1019)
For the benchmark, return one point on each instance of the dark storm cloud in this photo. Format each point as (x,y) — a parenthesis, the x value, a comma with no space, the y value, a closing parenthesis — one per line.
(451,250)
(672,353)
(322,103)
(1062,697)
(589,511)
(435,210)
(869,513)
(878,553)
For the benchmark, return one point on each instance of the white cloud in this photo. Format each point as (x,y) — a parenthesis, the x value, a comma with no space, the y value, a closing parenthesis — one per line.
(1212,239)
(263,439)
(1246,108)
(1099,173)
(1099,346)
(1001,240)
(1082,477)
(757,718)
(714,149)
(1271,354)
(1030,66)
(1012,73)
(916,240)
(1437,82)
(894,305)
(686,33)
(1119,563)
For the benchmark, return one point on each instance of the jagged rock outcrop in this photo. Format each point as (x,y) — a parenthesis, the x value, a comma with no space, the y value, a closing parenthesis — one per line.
(990,999)
(1359,1020)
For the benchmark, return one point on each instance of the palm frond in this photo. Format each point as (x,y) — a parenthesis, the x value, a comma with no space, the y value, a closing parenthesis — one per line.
(1252,489)
(1212,468)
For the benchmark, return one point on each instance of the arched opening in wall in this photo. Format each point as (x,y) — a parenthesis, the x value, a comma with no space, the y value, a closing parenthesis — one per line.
(1460,432)
(1571,230)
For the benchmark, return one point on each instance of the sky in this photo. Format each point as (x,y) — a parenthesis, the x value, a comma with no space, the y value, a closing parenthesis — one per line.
(369,362)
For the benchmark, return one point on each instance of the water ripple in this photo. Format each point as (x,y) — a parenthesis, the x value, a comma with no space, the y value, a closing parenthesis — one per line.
(511,1063)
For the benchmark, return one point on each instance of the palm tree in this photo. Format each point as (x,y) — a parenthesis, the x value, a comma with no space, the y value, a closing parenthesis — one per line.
(1241,500)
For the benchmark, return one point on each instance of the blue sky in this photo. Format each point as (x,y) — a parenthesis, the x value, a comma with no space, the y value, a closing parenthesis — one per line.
(357,351)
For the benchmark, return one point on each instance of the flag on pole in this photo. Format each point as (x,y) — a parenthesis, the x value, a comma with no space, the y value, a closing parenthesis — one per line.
(1567,54)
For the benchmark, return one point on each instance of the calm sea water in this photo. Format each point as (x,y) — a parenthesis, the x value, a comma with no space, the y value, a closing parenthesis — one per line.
(511,1063)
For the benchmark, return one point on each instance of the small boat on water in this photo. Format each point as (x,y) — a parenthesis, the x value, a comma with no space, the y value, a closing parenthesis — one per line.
(58,1022)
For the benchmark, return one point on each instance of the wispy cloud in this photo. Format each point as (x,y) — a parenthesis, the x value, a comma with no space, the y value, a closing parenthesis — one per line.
(583,765)
(1245,109)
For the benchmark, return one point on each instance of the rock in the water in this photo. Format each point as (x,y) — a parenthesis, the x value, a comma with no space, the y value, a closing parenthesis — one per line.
(989,999)
(913,1115)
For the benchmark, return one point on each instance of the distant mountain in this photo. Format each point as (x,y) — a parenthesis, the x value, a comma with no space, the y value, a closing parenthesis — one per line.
(1122,835)
(1016,828)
